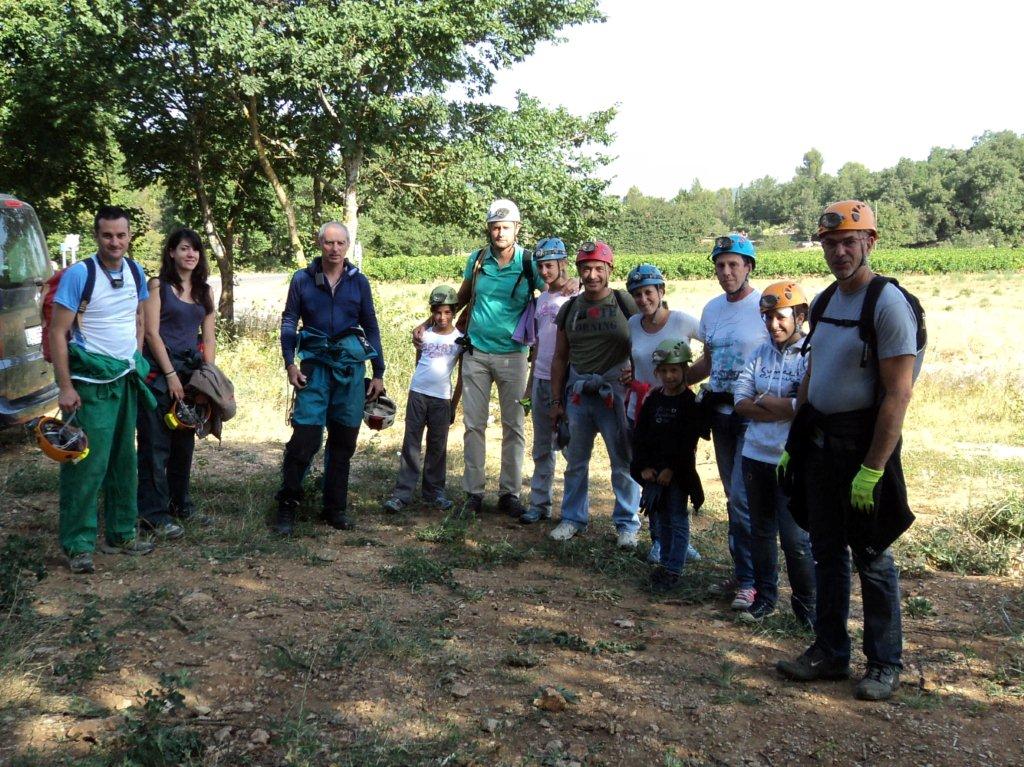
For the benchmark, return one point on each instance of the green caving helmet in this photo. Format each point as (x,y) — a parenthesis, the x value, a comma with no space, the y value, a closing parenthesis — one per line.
(443,295)
(672,352)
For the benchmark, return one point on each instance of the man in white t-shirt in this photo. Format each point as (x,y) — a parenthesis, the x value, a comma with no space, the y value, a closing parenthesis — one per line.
(731,329)
(431,405)
(95,336)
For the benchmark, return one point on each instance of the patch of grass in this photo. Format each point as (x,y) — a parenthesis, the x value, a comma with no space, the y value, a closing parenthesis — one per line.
(379,748)
(490,554)
(1009,675)
(416,569)
(557,638)
(301,741)
(919,607)
(598,556)
(153,733)
(921,700)
(614,646)
(362,541)
(782,625)
(726,678)
(521,660)
(20,565)
(448,530)
(985,541)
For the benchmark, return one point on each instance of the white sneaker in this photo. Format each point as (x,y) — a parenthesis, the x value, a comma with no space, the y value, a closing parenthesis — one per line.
(564,530)
(627,539)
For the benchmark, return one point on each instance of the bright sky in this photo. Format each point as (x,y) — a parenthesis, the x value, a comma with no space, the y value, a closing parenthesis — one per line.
(729,91)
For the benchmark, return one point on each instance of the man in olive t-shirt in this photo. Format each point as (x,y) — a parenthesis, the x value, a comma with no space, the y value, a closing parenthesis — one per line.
(591,350)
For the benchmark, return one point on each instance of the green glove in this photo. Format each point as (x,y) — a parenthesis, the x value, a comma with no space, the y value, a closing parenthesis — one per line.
(527,403)
(782,467)
(862,489)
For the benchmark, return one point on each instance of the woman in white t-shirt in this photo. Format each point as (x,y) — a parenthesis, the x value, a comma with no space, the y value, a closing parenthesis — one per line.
(653,324)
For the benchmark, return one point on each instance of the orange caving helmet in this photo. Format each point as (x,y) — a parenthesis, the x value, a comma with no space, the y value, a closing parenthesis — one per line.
(63,442)
(193,413)
(779,295)
(847,215)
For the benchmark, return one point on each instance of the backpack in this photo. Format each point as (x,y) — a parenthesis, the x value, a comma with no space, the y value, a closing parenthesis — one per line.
(46,309)
(866,324)
(572,302)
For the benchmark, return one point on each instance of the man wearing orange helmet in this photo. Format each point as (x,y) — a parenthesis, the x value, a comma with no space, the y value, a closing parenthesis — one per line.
(847,472)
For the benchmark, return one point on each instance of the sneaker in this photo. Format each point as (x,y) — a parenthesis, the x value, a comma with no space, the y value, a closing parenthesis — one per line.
(168,531)
(442,503)
(472,506)
(81,564)
(744,598)
(533,514)
(133,548)
(757,612)
(393,505)
(565,530)
(626,539)
(725,588)
(813,664)
(654,555)
(879,683)
(337,518)
(509,504)
(692,555)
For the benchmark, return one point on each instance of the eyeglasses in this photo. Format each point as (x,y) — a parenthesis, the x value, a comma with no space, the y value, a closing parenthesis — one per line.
(588,247)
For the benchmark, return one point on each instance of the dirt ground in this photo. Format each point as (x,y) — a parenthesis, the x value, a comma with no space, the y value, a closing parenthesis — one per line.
(315,652)
(410,640)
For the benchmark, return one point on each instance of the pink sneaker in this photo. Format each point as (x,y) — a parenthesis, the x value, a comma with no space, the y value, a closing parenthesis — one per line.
(744,598)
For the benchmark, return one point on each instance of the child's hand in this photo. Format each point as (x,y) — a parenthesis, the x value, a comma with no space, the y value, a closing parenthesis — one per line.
(648,474)
(665,477)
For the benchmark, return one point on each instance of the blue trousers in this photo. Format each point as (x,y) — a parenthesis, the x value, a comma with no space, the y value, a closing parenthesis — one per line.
(727,432)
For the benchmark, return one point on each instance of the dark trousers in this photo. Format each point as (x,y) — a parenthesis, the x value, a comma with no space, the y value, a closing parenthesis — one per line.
(673,528)
(832,462)
(299,452)
(434,415)
(770,521)
(165,466)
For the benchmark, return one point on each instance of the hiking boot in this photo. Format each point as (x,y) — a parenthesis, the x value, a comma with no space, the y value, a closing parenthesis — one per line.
(879,683)
(393,505)
(285,522)
(626,539)
(565,530)
(441,502)
(471,507)
(81,564)
(663,580)
(533,514)
(336,518)
(509,504)
(744,598)
(133,548)
(757,612)
(813,664)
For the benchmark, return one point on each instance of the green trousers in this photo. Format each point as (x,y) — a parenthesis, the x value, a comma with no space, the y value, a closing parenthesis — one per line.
(108,417)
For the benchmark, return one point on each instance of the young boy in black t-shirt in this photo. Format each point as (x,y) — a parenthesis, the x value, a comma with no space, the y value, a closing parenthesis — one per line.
(665,461)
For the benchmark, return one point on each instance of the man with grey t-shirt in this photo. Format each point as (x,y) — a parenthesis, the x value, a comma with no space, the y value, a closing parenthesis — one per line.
(858,395)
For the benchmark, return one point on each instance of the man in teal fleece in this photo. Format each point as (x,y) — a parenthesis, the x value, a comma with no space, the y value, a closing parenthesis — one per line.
(100,372)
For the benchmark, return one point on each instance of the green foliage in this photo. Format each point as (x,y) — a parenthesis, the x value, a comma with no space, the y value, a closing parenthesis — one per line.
(677,266)
(415,569)
(153,736)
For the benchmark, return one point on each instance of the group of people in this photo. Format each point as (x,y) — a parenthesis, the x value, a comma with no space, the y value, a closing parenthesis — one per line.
(582,359)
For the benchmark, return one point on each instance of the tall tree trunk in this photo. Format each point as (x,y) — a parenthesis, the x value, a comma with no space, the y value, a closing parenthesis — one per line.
(279,191)
(222,249)
(352,167)
(318,200)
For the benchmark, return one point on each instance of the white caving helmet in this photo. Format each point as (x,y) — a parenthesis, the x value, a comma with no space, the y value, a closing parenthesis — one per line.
(379,413)
(503,210)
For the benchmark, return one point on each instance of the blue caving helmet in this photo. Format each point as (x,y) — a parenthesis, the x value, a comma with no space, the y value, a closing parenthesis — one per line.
(643,275)
(550,249)
(737,243)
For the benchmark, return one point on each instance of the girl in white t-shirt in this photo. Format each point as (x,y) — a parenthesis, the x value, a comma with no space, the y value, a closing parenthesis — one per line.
(647,329)
(431,406)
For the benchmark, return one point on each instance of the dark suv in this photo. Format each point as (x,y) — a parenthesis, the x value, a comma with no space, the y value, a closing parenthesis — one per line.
(27,388)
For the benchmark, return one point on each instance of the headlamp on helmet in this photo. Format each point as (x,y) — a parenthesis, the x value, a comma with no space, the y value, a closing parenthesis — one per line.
(672,352)
(643,275)
(736,243)
(443,295)
(503,210)
(847,215)
(595,250)
(782,295)
(550,249)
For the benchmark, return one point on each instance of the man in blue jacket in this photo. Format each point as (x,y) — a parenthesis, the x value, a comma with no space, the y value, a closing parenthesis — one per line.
(326,362)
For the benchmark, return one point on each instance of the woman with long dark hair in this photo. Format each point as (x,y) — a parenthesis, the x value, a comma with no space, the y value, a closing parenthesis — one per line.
(180,336)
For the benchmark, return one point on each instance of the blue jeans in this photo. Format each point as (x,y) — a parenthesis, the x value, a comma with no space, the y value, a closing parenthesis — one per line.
(586,419)
(831,467)
(544,450)
(727,433)
(770,520)
(673,528)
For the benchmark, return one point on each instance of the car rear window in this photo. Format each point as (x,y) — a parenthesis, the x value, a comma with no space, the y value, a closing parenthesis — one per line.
(23,254)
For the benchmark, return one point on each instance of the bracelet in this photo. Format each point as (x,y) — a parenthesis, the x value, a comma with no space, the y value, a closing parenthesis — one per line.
(172,373)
